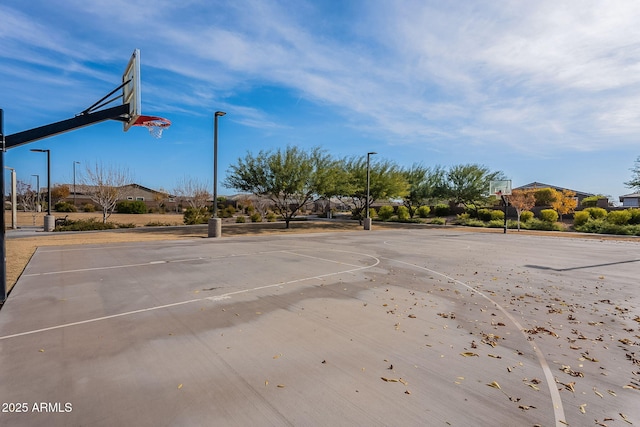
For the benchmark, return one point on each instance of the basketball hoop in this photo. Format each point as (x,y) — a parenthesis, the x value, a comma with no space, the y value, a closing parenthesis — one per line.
(154,124)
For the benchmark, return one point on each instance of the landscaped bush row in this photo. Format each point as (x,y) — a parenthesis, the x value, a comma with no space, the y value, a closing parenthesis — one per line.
(597,220)
(90,224)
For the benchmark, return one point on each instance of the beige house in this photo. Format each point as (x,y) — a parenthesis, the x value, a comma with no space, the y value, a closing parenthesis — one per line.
(153,199)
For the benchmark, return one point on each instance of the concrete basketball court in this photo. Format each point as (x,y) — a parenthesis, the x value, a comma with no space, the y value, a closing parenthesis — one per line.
(395,327)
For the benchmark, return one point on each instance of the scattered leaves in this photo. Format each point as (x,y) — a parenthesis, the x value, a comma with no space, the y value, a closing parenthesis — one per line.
(582,408)
(179,386)
(469,354)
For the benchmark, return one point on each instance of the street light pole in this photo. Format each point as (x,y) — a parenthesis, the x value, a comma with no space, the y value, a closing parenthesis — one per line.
(367,220)
(215,223)
(37,193)
(14,199)
(49,220)
(74,181)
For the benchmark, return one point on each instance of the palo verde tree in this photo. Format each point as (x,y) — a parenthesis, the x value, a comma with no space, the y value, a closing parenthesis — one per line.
(105,186)
(290,178)
(425,185)
(386,181)
(468,184)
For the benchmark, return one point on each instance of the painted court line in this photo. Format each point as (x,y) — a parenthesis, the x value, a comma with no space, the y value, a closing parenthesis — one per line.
(212,298)
(556,400)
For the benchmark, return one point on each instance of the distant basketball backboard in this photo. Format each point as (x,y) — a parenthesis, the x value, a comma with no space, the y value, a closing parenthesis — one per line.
(131,89)
(500,188)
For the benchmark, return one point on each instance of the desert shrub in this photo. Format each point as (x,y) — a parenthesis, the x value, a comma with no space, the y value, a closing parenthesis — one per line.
(635,216)
(597,213)
(194,216)
(85,225)
(580,218)
(373,213)
(591,201)
(619,217)
(423,211)
(240,219)
(496,223)
(385,212)
(526,216)
(256,217)
(227,212)
(88,207)
(484,215)
(64,207)
(472,222)
(271,217)
(497,215)
(403,213)
(441,210)
(548,215)
(250,209)
(131,207)
(463,217)
(536,224)
(438,221)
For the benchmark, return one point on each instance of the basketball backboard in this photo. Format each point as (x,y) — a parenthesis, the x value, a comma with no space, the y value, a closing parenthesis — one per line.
(131,89)
(500,188)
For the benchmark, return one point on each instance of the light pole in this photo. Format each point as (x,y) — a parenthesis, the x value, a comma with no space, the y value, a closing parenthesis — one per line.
(14,199)
(367,220)
(49,220)
(74,181)
(37,193)
(215,223)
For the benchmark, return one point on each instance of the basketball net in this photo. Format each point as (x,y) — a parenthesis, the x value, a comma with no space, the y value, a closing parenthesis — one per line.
(155,125)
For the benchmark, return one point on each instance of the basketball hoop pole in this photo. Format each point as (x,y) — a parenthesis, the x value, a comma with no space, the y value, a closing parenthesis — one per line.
(3,246)
(506,203)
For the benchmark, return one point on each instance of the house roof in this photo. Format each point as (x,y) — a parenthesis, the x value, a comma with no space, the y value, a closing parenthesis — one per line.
(536,185)
(630,196)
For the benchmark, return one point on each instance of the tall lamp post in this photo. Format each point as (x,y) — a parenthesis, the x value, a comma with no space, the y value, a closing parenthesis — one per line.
(49,220)
(38,209)
(367,220)
(215,223)
(74,181)
(14,199)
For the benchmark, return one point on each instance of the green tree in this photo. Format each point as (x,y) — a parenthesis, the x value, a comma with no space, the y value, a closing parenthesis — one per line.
(386,181)
(468,184)
(290,178)
(634,183)
(425,185)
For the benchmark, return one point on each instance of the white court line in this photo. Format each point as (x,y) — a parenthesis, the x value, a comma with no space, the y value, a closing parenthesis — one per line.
(558,410)
(212,298)
(80,270)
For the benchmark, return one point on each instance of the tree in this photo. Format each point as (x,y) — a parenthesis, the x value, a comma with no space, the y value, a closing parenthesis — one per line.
(468,184)
(27,197)
(59,192)
(104,186)
(634,183)
(386,181)
(290,178)
(545,196)
(425,185)
(565,202)
(196,194)
(522,200)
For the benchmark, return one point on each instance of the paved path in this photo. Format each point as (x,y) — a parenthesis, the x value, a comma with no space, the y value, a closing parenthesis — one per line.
(394,327)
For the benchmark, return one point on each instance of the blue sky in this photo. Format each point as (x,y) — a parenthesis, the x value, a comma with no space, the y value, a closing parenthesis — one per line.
(544,91)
